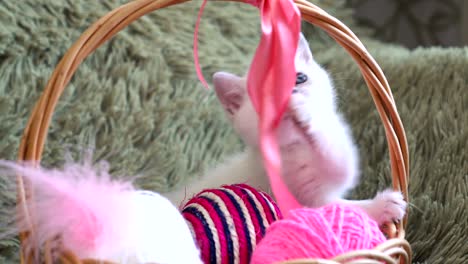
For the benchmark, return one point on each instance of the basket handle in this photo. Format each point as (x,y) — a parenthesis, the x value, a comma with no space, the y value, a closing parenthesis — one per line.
(35,133)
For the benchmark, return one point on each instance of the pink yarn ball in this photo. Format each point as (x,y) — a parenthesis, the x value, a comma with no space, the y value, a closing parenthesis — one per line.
(318,233)
(228,222)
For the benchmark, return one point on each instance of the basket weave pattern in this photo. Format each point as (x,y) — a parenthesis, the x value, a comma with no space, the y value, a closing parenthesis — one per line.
(395,250)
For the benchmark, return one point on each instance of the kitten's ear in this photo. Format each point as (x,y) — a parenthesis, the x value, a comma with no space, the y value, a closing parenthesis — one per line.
(303,52)
(230,90)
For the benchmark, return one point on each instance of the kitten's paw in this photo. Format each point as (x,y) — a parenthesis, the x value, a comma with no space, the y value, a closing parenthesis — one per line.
(299,108)
(387,206)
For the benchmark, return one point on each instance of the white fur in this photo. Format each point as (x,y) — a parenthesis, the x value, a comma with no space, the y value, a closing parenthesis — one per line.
(320,160)
(157,233)
(160,233)
(241,168)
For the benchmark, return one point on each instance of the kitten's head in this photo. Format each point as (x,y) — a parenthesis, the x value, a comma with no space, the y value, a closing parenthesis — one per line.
(311,81)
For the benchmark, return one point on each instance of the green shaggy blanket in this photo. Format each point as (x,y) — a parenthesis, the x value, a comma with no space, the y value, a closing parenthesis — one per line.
(137,102)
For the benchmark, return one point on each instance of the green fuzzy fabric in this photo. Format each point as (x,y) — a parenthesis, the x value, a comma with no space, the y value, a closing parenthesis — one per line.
(137,103)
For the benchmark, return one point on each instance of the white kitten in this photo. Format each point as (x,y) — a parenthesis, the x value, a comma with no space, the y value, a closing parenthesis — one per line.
(319,159)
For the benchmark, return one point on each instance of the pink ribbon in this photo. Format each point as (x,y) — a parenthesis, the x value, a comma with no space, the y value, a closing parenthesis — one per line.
(270,81)
(195,46)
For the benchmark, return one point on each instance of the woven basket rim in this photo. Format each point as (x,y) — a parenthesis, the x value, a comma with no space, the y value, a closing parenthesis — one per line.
(35,134)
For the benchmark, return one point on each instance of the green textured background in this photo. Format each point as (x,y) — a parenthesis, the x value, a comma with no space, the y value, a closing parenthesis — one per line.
(137,102)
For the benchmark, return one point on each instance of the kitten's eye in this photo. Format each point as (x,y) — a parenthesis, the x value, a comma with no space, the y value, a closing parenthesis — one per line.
(300,78)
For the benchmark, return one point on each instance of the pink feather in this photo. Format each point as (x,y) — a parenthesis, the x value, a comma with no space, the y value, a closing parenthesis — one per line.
(80,203)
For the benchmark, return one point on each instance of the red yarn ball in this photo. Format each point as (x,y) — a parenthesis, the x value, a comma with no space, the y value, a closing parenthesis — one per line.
(321,233)
(228,222)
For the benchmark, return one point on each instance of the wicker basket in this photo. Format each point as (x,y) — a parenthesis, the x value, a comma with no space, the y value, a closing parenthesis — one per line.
(395,250)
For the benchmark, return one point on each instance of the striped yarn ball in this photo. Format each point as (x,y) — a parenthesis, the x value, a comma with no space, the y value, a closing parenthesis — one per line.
(228,222)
